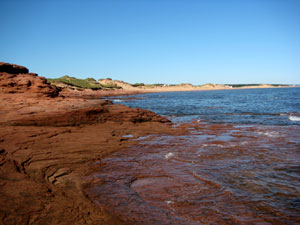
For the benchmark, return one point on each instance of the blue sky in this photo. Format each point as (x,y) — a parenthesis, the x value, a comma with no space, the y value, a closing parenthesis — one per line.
(155,41)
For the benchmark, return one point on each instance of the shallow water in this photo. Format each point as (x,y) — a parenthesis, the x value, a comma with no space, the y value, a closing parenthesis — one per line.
(202,177)
(219,172)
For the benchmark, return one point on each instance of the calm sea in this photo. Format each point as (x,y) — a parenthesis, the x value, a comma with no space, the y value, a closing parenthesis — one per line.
(278,106)
(238,164)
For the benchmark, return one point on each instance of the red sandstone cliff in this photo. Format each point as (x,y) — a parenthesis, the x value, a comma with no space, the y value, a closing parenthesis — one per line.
(17,79)
(49,145)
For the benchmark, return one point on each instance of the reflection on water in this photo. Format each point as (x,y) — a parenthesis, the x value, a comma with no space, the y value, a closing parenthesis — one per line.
(217,174)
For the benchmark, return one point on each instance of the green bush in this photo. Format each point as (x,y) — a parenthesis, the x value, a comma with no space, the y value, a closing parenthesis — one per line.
(159,85)
(138,84)
(242,85)
(111,86)
(88,83)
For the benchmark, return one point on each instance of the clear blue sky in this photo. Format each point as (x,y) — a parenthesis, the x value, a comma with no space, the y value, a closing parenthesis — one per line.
(155,41)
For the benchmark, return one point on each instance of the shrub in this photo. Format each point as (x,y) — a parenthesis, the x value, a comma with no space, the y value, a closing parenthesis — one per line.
(89,83)
(138,84)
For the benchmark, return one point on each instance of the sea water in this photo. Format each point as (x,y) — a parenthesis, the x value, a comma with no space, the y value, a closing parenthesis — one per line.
(238,164)
(269,106)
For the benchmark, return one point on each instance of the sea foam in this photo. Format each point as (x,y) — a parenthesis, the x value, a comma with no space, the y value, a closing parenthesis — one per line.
(169,155)
(271,134)
(294,118)
(118,100)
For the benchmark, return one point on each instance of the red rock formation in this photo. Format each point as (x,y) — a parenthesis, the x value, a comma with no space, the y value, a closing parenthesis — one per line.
(12,68)
(17,79)
(50,146)
(72,112)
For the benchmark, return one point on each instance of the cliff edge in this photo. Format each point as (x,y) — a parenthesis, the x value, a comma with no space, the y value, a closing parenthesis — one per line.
(17,79)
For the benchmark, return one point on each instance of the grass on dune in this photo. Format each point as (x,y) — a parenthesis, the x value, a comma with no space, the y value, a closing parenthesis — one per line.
(88,83)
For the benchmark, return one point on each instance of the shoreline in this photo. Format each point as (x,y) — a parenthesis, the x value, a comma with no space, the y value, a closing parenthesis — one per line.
(51,144)
(47,154)
(93,94)
(89,87)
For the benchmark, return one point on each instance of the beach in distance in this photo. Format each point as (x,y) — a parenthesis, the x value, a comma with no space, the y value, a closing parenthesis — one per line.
(81,151)
(145,112)
(108,86)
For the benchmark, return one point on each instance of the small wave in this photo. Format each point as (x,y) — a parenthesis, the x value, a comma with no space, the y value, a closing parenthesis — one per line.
(128,136)
(212,145)
(294,118)
(169,155)
(143,137)
(118,100)
(169,202)
(272,134)
(244,143)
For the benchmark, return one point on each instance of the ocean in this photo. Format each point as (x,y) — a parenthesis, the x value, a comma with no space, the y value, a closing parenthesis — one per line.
(268,106)
(238,164)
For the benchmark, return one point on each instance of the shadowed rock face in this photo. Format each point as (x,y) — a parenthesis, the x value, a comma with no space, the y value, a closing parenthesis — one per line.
(12,68)
(17,79)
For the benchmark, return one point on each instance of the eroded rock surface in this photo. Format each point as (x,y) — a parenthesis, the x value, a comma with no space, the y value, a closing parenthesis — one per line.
(49,145)
(17,79)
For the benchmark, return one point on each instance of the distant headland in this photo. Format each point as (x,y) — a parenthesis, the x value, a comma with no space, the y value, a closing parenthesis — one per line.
(108,85)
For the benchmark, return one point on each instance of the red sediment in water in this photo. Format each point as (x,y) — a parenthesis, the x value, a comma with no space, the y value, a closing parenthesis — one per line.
(216,174)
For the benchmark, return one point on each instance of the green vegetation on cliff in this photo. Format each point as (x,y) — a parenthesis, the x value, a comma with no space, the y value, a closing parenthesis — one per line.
(88,83)
(138,84)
